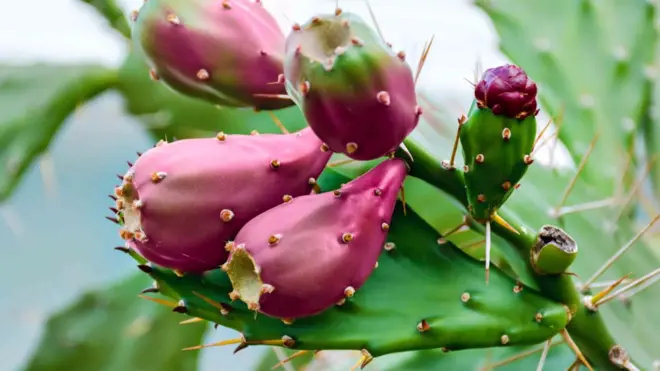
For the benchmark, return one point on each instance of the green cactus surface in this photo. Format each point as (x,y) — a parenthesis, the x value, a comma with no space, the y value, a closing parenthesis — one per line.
(496,152)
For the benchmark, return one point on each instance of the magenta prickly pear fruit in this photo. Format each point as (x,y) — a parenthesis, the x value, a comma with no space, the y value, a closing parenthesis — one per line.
(182,201)
(507,91)
(228,52)
(300,258)
(356,93)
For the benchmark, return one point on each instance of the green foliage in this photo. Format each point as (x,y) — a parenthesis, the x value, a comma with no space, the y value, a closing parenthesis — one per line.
(35,102)
(591,60)
(112,330)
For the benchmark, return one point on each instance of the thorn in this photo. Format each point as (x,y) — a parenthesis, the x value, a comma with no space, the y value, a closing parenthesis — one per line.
(146,268)
(571,184)
(153,290)
(587,206)
(541,133)
(114,220)
(279,124)
(635,188)
(488,243)
(364,360)
(167,303)
(289,358)
(273,96)
(461,121)
(651,277)
(618,254)
(422,59)
(223,308)
(192,320)
(596,298)
(112,197)
(341,162)
(239,340)
(576,350)
(522,355)
(497,219)
(123,249)
(180,307)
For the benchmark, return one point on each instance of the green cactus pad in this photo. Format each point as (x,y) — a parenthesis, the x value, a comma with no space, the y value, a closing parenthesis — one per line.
(496,151)
(397,309)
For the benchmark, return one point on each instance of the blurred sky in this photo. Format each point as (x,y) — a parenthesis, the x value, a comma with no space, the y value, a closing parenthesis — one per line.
(56,244)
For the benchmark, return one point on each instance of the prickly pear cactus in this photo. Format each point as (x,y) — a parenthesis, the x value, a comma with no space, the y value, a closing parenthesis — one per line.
(271,239)
(227,52)
(356,93)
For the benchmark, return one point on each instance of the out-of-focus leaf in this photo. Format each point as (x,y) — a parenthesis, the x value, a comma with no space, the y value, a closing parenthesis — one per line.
(112,13)
(34,103)
(114,330)
(271,358)
(591,61)
(166,113)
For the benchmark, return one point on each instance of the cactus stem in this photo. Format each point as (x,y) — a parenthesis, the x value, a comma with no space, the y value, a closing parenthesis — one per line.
(389,246)
(488,247)
(583,162)
(341,163)
(454,150)
(192,320)
(618,254)
(167,303)
(633,191)
(575,349)
(364,360)
(223,308)
(422,59)
(289,359)
(587,206)
(644,282)
(277,121)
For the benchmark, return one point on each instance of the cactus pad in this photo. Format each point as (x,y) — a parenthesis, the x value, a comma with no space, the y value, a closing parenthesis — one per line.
(227,52)
(182,201)
(356,93)
(301,258)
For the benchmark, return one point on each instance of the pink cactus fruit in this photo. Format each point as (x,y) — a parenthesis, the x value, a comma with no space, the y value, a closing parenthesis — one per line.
(228,52)
(182,201)
(302,257)
(356,93)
